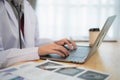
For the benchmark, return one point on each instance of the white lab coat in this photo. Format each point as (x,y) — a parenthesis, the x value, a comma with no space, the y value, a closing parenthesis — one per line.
(9,36)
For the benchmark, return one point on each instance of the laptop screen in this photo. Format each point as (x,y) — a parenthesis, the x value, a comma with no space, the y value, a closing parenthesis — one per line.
(102,34)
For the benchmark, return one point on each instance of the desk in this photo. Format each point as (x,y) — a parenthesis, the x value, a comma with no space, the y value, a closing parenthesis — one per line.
(106,59)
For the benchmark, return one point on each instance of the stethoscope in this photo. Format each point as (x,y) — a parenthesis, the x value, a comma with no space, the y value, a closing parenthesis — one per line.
(19,11)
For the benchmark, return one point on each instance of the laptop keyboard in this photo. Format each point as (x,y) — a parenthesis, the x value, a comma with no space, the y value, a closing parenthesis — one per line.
(79,54)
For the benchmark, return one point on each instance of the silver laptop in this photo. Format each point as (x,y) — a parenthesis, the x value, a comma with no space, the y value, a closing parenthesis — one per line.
(82,53)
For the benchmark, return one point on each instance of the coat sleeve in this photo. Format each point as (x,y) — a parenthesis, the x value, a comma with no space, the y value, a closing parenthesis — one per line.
(9,56)
(12,56)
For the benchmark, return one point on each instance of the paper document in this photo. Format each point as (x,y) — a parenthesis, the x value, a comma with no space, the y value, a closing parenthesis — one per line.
(50,70)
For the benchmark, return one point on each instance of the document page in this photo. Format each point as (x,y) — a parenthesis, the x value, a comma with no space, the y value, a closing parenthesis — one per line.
(51,70)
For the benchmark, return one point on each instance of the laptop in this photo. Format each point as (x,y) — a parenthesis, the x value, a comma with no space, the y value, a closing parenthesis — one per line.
(82,53)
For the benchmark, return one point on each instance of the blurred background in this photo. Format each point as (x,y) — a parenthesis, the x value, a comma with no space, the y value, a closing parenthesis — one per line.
(72,18)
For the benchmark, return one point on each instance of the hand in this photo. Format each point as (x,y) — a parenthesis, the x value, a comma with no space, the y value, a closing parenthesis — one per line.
(71,44)
(53,49)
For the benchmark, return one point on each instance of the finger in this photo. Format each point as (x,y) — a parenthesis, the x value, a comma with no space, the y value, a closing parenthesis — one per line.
(63,50)
(59,42)
(73,44)
(70,44)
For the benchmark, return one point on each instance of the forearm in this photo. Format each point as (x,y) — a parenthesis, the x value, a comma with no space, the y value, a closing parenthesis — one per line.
(18,55)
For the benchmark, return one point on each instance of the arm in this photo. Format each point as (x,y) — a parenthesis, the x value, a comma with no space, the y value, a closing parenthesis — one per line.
(12,56)
(9,51)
